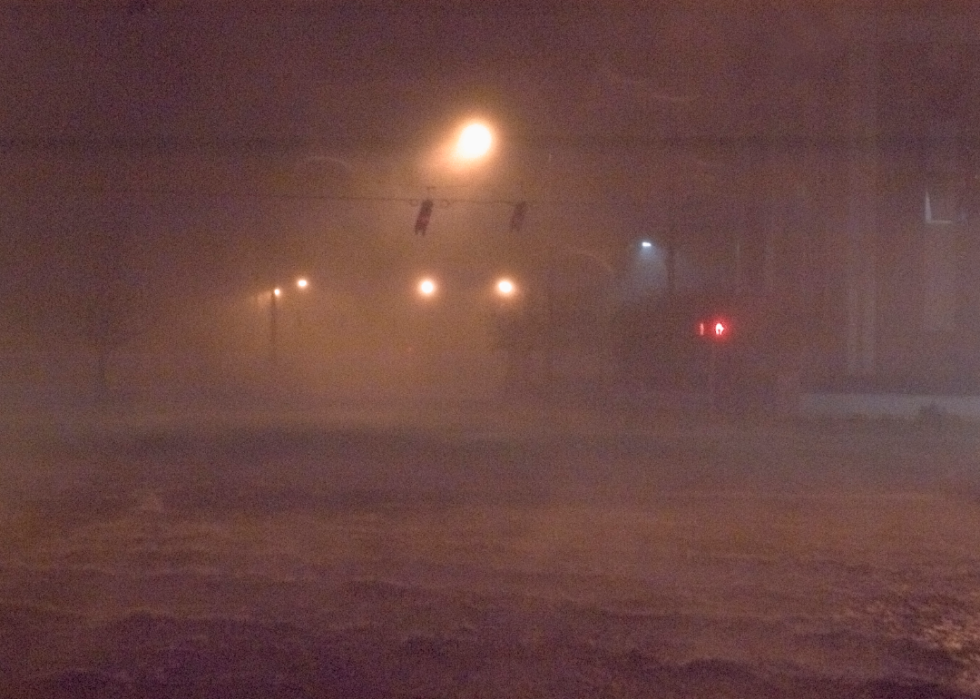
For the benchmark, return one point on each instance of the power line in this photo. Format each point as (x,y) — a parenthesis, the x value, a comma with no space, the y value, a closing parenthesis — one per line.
(354,198)
(282,146)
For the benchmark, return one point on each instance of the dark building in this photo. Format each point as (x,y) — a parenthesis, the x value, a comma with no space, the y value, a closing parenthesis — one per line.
(853,246)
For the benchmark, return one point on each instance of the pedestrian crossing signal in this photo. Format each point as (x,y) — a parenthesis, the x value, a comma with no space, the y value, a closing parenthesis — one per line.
(717,329)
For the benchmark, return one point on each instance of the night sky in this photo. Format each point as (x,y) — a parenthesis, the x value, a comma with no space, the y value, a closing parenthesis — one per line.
(165,159)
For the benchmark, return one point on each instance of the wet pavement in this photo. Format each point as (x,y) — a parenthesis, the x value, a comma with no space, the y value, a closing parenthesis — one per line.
(319,560)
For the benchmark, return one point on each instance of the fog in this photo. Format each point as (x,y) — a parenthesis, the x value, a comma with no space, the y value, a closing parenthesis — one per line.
(244,450)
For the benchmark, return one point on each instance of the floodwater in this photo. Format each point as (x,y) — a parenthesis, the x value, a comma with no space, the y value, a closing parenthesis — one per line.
(466,552)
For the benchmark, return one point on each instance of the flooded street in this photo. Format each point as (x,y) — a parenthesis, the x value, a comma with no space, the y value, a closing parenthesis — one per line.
(524,555)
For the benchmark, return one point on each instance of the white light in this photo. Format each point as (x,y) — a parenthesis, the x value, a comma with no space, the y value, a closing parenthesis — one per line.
(474,141)
(427,287)
(302,282)
(646,244)
(505,287)
(277,291)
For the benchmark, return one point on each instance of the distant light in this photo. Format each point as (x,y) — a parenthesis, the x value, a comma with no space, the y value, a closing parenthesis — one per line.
(505,287)
(427,287)
(646,244)
(302,282)
(277,291)
(718,329)
(474,141)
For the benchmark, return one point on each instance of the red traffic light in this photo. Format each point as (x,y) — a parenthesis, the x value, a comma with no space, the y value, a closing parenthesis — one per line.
(715,329)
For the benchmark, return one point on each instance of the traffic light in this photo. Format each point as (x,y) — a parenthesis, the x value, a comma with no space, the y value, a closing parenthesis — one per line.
(517,218)
(422,220)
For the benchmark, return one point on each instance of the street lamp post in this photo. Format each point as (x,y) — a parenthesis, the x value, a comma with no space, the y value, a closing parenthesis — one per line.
(510,332)
(302,283)
(274,325)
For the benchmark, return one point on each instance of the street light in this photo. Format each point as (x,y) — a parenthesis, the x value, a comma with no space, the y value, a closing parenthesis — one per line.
(475,141)
(470,145)
(427,287)
(506,288)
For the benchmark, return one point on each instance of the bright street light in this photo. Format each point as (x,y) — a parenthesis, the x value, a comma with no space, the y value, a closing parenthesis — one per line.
(465,149)
(505,287)
(302,283)
(427,287)
(475,141)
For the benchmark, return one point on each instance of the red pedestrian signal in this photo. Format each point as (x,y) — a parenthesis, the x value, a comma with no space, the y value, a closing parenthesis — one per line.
(716,329)
(422,220)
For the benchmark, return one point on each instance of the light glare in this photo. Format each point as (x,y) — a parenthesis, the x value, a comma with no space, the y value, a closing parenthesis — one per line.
(474,141)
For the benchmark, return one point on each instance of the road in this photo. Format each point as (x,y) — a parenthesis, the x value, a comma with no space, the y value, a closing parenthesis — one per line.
(474,553)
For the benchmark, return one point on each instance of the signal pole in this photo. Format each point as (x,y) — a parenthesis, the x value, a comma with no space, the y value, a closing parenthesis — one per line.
(716,332)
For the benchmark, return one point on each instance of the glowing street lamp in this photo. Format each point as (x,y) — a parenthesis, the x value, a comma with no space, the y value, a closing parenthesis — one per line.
(427,287)
(506,288)
(475,141)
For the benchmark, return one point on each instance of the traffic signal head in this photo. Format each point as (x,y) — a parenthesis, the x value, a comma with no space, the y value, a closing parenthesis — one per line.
(422,220)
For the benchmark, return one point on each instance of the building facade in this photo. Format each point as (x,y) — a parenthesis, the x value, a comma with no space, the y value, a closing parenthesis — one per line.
(863,242)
